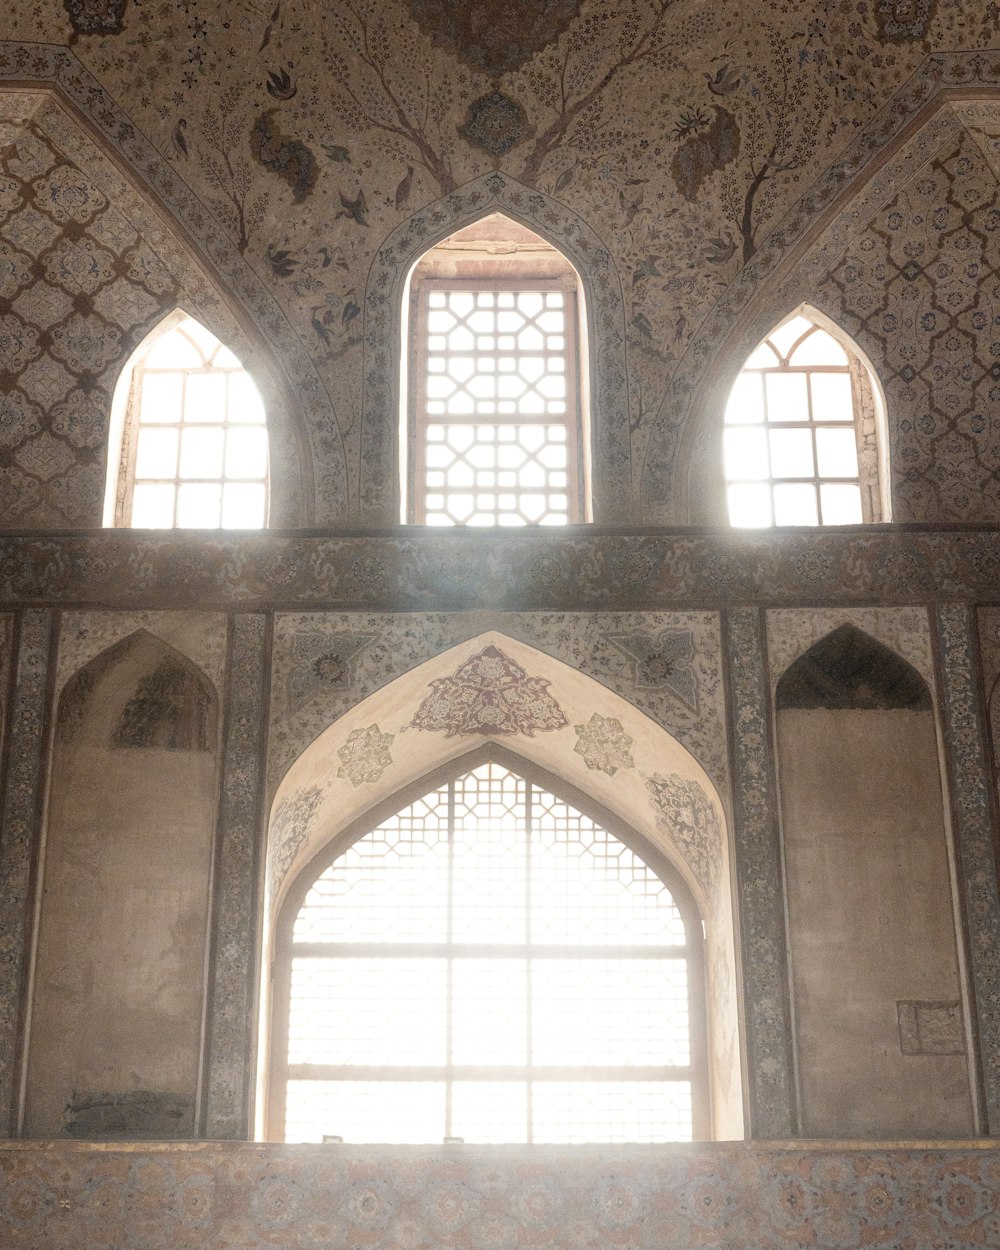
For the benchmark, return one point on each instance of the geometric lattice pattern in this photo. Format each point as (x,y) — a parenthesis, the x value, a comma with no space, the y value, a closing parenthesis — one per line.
(489,964)
(496,407)
(790,442)
(78,288)
(197,451)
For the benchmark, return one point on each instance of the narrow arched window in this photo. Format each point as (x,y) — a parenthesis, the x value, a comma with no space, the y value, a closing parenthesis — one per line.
(801,438)
(490,964)
(494,430)
(194,438)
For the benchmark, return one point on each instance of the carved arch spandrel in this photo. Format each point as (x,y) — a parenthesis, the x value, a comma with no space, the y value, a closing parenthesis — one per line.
(907,131)
(558,719)
(215,282)
(558,225)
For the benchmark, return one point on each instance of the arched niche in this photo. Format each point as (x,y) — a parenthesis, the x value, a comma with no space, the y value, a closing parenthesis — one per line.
(874,954)
(679,474)
(119,973)
(237,403)
(551,716)
(159,249)
(384,302)
(782,349)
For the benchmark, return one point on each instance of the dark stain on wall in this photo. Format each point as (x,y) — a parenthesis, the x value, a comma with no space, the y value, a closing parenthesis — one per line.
(140,1114)
(169,709)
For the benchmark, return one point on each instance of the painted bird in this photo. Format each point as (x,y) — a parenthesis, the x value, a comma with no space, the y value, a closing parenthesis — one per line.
(336,153)
(403,190)
(642,323)
(319,325)
(355,209)
(720,250)
(280,85)
(282,261)
(565,178)
(351,310)
(179,139)
(725,82)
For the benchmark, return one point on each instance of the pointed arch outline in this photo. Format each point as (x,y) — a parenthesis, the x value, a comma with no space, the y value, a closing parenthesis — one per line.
(313,806)
(126,416)
(675,482)
(868,397)
(384,293)
(233,302)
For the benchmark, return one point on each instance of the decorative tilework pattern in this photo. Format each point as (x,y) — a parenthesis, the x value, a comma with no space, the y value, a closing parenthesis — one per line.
(728,1196)
(662,660)
(590,570)
(19,831)
(604,744)
(323,662)
(289,829)
(685,815)
(233,971)
(758,872)
(489,694)
(365,755)
(972,830)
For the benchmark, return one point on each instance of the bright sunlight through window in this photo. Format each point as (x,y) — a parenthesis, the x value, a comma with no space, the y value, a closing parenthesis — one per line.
(491,965)
(196,441)
(791,438)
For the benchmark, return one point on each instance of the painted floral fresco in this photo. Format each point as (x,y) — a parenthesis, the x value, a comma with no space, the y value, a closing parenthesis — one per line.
(703,148)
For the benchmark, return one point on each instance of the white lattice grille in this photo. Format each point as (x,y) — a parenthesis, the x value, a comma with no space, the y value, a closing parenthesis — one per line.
(489,963)
(497,407)
(790,442)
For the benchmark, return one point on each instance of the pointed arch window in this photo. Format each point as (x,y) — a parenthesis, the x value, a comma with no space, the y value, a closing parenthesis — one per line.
(194,438)
(802,444)
(494,426)
(489,963)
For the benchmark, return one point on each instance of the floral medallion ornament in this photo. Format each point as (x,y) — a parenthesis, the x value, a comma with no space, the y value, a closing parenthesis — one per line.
(489,694)
(604,744)
(661,661)
(364,757)
(901,20)
(495,123)
(96,17)
(323,662)
(495,36)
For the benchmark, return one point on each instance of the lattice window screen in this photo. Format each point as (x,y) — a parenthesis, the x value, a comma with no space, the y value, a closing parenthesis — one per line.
(490,964)
(496,421)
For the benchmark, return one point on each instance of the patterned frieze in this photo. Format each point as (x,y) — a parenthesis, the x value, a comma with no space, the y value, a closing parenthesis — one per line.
(573,569)
(729,1196)
(973,832)
(760,884)
(228,1079)
(20,815)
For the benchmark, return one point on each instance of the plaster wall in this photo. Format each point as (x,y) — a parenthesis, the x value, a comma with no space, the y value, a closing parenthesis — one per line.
(119,979)
(871,923)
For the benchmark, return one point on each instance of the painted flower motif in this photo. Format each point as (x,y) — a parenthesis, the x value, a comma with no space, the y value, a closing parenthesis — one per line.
(489,694)
(364,757)
(604,744)
(495,123)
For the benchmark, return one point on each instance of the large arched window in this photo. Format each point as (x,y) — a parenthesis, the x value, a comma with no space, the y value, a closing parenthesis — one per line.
(495,411)
(193,436)
(801,439)
(489,964)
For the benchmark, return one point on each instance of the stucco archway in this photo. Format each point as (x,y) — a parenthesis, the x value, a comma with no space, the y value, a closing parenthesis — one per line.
(569,725)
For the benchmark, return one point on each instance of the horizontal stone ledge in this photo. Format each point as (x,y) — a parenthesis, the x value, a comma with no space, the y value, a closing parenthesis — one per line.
(731,1196)
(578,567)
